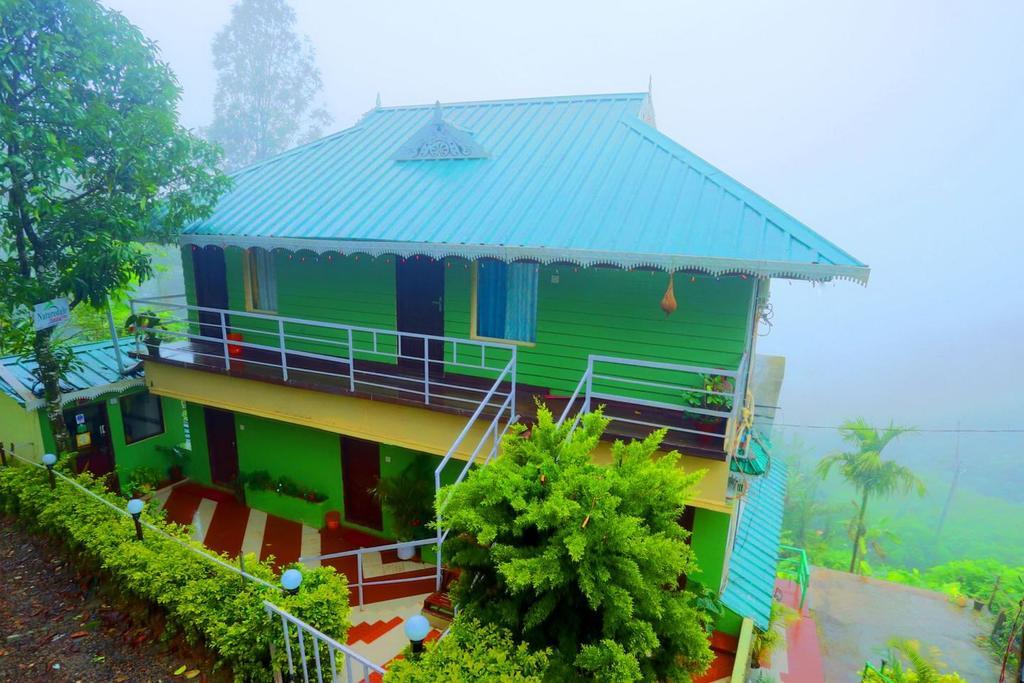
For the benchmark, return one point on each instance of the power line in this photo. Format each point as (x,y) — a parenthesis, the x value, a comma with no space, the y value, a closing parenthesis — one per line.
(939,430)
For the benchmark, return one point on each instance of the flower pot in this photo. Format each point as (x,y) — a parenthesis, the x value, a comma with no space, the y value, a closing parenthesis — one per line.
(711,427)
(406,552)
(153,349)
(978,604)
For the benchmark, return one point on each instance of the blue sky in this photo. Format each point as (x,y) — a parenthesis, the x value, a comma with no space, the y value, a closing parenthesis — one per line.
(893,128)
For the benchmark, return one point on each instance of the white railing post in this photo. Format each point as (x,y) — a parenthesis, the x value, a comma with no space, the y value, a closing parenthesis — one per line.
(224,341)
(284,354)
(359,572)
(590,383)
(426,371)
(351,364)
(515,369)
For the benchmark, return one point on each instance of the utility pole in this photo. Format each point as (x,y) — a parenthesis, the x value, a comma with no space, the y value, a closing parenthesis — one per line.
(952,485)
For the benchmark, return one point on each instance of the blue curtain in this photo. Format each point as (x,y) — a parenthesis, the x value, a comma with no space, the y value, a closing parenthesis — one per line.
(491,294)
(521,308)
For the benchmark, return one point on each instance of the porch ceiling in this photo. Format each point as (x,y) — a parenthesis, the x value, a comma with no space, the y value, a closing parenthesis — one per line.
(419,429)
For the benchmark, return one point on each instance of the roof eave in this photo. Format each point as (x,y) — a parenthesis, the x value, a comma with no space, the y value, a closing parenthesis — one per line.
(712,265)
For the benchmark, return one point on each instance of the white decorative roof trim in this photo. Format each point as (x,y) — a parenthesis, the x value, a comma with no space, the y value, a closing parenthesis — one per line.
(712,265)
(118,387)
(440,140)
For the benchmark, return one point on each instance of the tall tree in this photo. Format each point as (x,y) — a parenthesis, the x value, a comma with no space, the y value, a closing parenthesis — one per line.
(92,160)
(579,557)
(267,83)
(865,470)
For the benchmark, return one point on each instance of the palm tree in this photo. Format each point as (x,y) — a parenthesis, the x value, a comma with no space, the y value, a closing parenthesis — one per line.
(867,472)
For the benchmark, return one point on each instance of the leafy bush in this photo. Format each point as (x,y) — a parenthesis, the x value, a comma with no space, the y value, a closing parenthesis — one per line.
(204,600)
(471,652)
(580,557)
(408,498)
(261,480)
(144,480)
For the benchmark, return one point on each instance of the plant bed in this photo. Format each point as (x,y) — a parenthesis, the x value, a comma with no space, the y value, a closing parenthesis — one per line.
(292,508)
(203,601)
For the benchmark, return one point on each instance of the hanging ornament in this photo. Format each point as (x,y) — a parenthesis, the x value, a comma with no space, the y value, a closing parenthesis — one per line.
(668,302)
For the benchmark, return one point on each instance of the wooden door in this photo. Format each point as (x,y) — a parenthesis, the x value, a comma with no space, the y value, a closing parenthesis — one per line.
(419,291)
(360,472)
(90,434)
(222,445)
(211,280)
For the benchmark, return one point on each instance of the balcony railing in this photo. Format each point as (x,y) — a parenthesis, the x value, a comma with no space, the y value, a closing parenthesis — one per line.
(432,370)
(696,404)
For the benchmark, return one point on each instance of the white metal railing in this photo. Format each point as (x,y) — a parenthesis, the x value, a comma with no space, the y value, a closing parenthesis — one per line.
(493,433)
(359,553)
(678,395)
(487,446)
(352,358)
(328,659)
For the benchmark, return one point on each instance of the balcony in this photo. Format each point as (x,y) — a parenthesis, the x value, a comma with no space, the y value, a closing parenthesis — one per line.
(460,376)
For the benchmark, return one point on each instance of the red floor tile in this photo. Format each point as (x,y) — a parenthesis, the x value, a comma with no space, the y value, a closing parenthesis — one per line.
(802,647)
(182,504)
(282,539)
(227,529)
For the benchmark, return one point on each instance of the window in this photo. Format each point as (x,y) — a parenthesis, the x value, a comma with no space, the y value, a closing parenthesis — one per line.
(506,300)
(143,417)
(262,278)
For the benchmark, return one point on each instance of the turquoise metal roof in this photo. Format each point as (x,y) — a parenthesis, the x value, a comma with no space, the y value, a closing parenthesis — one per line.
(97,373)
(587,180)
(755,553)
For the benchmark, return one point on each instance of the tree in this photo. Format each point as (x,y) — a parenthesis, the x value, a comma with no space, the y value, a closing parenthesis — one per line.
(92,159)
(580,557)
(867,472)
(267,82)
(471,652)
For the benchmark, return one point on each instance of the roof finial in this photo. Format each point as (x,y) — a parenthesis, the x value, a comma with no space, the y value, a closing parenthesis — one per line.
(438,117)
(377,105)
(650,84)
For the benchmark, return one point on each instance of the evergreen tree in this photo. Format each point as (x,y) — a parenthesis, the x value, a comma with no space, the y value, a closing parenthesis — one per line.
(92,160)
(267,83)
(583,558)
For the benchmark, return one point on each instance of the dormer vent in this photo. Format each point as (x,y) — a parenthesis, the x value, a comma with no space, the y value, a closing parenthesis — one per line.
(440,140)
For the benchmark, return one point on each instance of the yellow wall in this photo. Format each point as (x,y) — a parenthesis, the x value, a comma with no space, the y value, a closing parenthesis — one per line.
(21,427)
(419,429)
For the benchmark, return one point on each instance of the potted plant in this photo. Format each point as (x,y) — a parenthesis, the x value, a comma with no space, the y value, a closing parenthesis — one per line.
(711,425)
(147,324)
(409,499)
(179,457)
(143,481)
(767,641)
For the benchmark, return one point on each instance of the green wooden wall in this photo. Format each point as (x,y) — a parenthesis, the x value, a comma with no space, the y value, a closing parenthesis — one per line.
(198,466)
(580,311)
(710,536)
(612,312)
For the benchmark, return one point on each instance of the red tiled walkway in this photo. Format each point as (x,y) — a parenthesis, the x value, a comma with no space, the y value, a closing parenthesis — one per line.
(802,647)
(226,521)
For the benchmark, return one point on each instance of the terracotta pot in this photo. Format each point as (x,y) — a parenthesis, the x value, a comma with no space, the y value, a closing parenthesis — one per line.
(406,552)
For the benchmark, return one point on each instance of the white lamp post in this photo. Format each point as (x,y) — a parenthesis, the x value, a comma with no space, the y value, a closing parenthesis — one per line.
(49,459)
(291,579)
(416,630)
(135,506)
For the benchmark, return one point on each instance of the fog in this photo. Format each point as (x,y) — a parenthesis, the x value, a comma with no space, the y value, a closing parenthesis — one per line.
(894,129)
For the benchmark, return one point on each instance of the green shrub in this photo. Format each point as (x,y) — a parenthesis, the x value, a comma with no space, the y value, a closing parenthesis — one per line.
(471,652)
(205,601)
(260,480)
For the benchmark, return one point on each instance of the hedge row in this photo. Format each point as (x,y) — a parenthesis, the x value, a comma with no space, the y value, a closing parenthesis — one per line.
(208,603)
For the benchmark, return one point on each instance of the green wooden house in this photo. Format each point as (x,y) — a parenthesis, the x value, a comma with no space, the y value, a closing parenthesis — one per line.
(385,301)
(117,426)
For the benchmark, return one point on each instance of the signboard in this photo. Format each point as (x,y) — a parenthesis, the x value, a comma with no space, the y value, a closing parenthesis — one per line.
(50,313)
(83,440)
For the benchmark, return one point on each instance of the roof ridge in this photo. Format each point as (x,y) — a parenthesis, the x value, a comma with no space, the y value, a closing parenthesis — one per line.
(552,98)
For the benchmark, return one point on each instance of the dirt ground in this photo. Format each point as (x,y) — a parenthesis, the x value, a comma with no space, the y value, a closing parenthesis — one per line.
(856,617)
(57,624)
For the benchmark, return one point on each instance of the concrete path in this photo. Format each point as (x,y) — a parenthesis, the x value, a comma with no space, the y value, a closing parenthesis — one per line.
(858,615)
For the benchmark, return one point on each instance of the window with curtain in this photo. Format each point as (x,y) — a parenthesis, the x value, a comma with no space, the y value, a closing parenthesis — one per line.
(143,416)
(506,300)
(262,280)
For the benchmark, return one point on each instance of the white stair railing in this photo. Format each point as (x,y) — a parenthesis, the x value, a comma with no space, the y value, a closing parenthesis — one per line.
(329,661)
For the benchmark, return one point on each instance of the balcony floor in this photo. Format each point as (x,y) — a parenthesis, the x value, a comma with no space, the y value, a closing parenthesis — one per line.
(463,393)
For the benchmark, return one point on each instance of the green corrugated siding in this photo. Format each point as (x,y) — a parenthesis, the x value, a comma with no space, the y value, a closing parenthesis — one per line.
(616,313)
